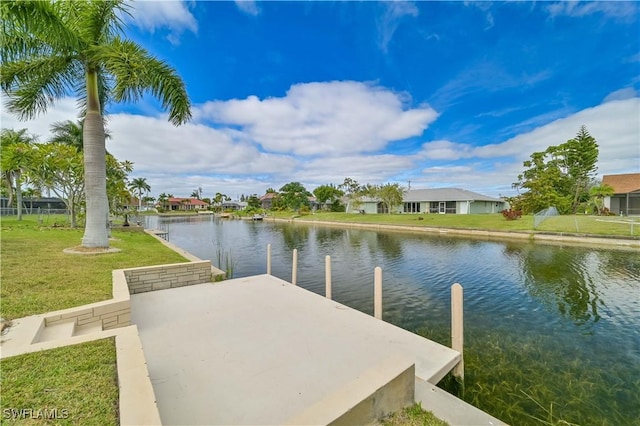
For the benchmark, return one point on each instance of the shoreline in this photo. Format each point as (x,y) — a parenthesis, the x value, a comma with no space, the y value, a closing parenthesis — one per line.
(536,237)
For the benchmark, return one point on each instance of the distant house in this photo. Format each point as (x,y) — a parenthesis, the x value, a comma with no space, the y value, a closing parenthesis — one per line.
(626,200)
(267,200)
(436,200)
(186,204)
(234,205)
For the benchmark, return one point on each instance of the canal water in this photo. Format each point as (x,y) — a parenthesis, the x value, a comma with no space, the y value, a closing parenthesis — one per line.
(552,332)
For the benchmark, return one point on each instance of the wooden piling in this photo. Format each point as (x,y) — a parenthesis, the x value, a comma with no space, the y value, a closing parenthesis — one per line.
(377,292)
(327,273)
(457,328)
(294,268)
(268,259)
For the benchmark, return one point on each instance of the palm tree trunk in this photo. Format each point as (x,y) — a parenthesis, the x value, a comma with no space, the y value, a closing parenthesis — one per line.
(96,232)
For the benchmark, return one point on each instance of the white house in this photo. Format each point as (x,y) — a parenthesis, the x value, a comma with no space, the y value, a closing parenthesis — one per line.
(435,200)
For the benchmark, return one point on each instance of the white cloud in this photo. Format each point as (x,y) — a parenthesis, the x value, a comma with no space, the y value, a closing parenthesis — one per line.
(63,110)
(248,6)
(329,119)
(153,15)
(446,150)
(576,9)
(622,94)
(228,159)
(394,12)
(614,124)
(154,144)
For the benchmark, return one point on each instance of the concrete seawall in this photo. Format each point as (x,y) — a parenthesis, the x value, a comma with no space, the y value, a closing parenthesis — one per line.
(538,237)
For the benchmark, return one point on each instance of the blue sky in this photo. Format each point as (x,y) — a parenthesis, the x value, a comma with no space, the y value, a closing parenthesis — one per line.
(442,94)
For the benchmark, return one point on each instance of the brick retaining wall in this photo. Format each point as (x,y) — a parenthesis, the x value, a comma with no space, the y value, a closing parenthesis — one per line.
(151,278)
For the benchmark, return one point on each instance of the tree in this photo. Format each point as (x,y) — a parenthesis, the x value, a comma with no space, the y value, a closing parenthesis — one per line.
(67,133)
(52,48)
(580,157)
(325,193)
(558,176)
(197,193)
(15,158)
(163,200)
(60,168)
(117,184)
(597,194)
(294,195)
(391,194)
(253,202)
(352,190)
(218,199)
(140,186)
(31,193)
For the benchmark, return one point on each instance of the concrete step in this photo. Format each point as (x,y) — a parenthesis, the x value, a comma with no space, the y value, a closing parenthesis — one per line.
(380,390)
(62,330)
(452,410)
(88,328)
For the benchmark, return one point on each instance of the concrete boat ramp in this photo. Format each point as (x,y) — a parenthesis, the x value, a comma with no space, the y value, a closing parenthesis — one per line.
(259,350)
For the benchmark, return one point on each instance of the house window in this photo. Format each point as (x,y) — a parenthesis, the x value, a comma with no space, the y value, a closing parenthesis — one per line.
(412,207)
(382,208)
(442,207)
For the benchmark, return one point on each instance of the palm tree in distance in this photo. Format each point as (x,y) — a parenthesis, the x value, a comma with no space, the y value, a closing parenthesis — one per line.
(70,133)
(139,185)
(53,48)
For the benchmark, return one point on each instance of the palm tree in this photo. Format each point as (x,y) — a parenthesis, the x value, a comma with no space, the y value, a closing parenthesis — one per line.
(598,193)
(70,133)
(162,200)
(139,185)
(15,158)
(52,48)
(67,133)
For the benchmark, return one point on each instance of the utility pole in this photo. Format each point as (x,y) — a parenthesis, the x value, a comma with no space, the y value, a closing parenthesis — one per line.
(409,186)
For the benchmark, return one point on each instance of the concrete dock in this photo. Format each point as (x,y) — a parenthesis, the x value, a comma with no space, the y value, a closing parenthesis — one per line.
(259,350)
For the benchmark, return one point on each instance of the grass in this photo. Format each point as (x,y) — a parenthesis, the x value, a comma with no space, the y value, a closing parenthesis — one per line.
(78,383)
(570,224)
(38,277)
(413,416)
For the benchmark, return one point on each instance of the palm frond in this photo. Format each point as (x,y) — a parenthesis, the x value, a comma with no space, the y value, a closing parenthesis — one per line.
(104,21)
(135,71)
(33,85)
(35,26)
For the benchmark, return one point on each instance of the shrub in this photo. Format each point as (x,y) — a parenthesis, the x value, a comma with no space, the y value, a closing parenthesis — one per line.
(512,214)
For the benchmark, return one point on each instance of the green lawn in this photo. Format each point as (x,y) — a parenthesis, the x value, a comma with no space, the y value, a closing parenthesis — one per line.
(573,224)
(38,277)
(79,382)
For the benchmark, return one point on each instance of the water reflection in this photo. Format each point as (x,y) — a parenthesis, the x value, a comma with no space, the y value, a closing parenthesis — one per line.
(573,280)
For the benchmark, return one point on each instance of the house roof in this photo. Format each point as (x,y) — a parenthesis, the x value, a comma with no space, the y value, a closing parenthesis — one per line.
(268,196)
(623,184)
(445,194)
(192,201)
